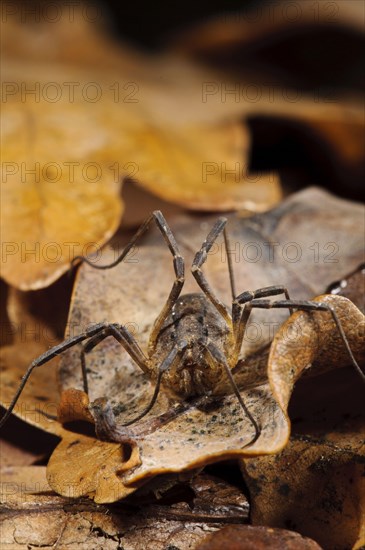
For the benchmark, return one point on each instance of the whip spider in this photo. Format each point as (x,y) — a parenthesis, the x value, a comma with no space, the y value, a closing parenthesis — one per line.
(196,339)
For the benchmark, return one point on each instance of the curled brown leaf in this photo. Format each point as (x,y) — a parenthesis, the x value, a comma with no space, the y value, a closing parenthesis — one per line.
(176,436)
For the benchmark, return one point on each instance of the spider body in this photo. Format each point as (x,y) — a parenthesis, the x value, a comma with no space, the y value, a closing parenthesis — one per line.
(195,325)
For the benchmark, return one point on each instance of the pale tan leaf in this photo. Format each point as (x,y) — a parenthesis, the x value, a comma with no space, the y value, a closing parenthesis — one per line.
(93,468)
(86,127)
(33,515)
(309,338)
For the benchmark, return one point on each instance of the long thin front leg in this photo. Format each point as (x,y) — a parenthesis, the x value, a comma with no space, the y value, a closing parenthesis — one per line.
(173,357)
(47,356)
(179,268)
(178,263)
(215,356)
(200,259)
(140,232)
(125,338)
(311,306)
(241,313)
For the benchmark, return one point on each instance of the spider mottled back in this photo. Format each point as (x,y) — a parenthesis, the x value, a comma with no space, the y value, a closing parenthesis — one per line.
(195,323)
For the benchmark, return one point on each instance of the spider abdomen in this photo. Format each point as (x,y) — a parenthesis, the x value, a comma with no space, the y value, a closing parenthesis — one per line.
(195,322)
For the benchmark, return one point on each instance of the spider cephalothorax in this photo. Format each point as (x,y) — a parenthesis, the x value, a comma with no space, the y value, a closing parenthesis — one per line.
(198,328)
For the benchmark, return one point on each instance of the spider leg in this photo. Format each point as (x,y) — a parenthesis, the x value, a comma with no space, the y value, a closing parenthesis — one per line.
(178,263)
(139,233)
(200,259)
(214,355)
(311,306)
(125,338)
(179,268)
(241,313)
(172,358)
(47,356)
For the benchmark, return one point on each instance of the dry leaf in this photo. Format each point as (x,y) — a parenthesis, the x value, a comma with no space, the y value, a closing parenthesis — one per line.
(313,487)
(306,108)
(220,430)
(53,215)
(115,123)
(306,339)
(33,514)
(214,431)
(93,468)
(307,242)
(217,430)
(32,330)
(39,406)
(246,537)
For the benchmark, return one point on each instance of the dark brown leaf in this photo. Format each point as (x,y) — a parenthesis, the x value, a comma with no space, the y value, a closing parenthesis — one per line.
(33,515)
(246,537)
(313,487)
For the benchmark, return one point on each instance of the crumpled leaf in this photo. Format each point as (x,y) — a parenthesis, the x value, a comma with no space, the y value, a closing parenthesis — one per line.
(212,430)
(220,430)
(91,464)
(310,240)
(313,486)
(246,537)
(74,405)
(118,290)
(39,405)
(115,123)
(33,514)
(306,339)
(30,336)
(93,468)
